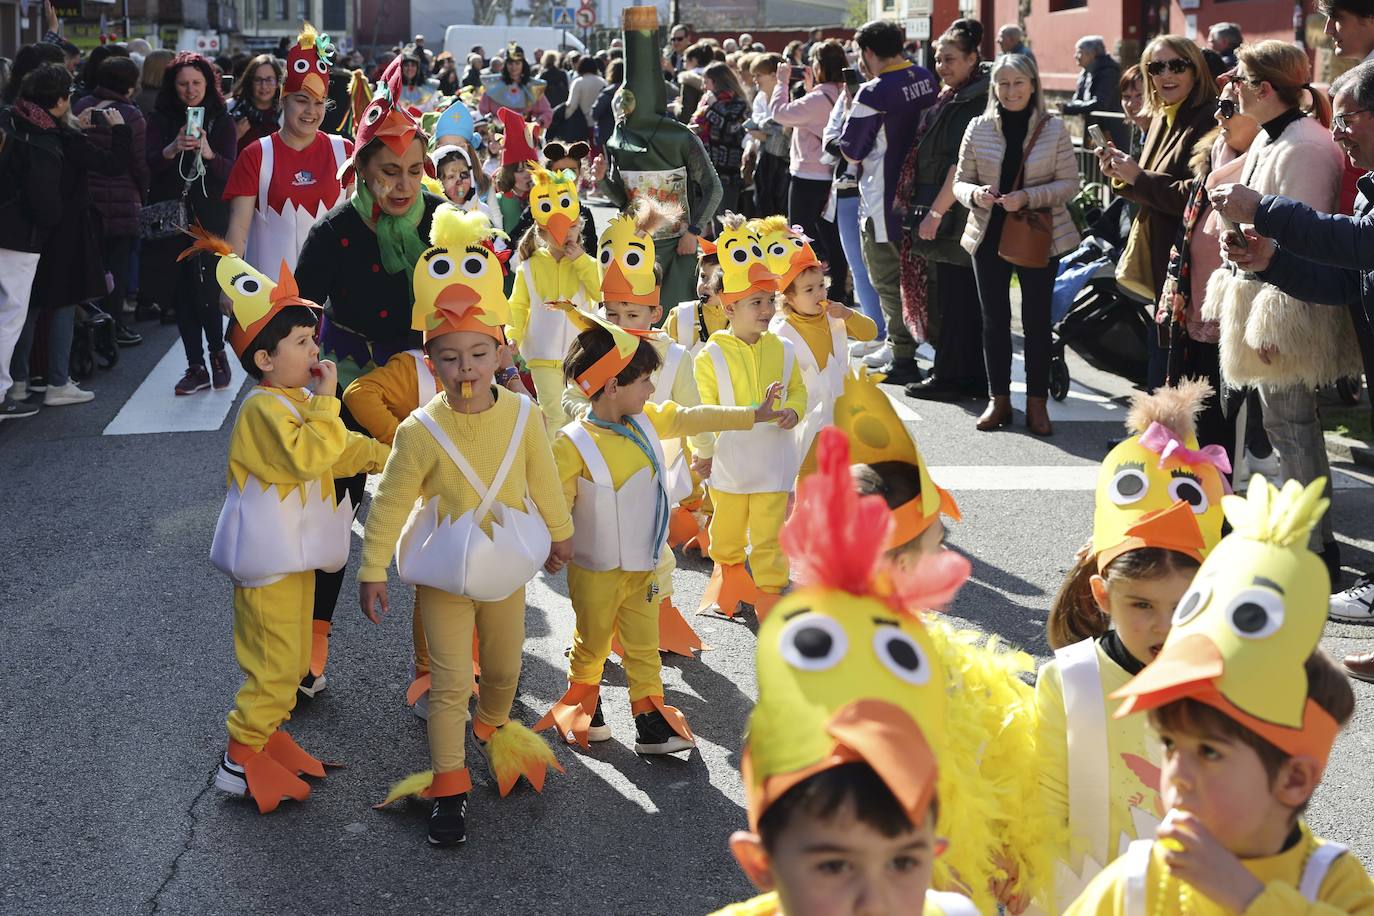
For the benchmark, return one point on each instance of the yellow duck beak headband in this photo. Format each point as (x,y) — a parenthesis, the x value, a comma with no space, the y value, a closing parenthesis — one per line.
(1146,478)
(626,252)
(786,249)
(553,201)
(844,675)
(741,260)
(866,416)
(1244,630)
(627,342)
(459,280)
(256,300)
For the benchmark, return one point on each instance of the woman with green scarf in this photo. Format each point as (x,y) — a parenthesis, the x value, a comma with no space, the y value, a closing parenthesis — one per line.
(357,261)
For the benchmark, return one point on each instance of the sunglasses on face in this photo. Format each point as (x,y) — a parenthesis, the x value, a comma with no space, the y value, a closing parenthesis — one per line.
(1340,123)
(1177,65)
(1226,108)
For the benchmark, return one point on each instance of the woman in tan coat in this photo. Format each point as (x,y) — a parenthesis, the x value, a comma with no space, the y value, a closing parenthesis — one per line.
(1016,127)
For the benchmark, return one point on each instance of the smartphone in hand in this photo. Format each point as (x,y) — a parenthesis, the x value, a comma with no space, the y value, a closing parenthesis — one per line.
(1099,137)
(195,121)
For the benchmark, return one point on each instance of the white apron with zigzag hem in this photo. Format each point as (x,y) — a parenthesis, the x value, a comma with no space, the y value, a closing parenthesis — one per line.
(823,386)
(274,237)
(456,555)
(549,333)
(677,470)
(759,460)
(614,528)
(262,536)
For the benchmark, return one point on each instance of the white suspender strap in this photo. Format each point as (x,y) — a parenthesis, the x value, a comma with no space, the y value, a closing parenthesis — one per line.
(667,373)
(725,386)
(952,904)
(425,382)
(1137,872)
(789,356)
(295,412)
(486,494)
(646,426)
(1085,715)
(1318,864)
(596,464)
(686,322)
(340,151)
(264,172)
(790,335)
(536,300)
(839,341)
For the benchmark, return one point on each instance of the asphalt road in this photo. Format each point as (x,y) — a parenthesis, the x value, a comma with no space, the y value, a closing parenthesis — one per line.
(118,670)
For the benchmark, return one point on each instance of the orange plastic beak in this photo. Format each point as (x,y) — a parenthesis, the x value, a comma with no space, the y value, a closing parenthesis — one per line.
(1179,670)
(558,226)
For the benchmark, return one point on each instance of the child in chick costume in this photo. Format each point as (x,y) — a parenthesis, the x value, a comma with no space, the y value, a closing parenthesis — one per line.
(553,269)
(1157,516)
(1247,708)
(613,468)
(280,521)
(818,329)
(848,741)
(752,472)
(629,291)
(488,516)
(692,323)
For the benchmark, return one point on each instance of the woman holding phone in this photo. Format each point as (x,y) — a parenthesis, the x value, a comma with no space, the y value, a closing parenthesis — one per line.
(190,148)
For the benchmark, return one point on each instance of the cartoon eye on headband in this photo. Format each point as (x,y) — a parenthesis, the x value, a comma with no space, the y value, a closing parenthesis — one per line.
(813,642)
(301,65)
(1128,485)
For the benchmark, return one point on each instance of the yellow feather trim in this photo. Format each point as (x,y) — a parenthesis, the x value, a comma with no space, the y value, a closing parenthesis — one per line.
(515,751)
(413,784)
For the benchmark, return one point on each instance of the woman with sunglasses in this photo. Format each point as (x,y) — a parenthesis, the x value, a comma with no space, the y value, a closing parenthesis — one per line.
(1284,347)
(1179,95)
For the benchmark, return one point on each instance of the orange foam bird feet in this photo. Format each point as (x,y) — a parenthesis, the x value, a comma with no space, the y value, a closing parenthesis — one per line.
(282,748)
(573,713)
(682,527)
(701,541)
(269,782)
(513,751)
(764,603)
(418,688)
(319,646)
(671,714)
(675,634)
(730,586)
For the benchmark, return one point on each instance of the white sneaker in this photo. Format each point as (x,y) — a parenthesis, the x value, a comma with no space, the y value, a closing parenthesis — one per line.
(69,393)
(879,357)
(19,391)
(1266,467)
(860,348)
(1356,603)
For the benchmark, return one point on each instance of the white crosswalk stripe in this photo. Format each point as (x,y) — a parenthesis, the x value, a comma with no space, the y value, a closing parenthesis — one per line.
(153,408)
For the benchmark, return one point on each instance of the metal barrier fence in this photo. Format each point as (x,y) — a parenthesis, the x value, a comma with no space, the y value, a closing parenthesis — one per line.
(1089,171)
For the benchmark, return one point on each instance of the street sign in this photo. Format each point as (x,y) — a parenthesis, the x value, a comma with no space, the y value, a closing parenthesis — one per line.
(917,29)
(562,16)
(586,17)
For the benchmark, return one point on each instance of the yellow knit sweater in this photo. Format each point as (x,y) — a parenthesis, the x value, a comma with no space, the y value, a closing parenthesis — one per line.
(382,398)
(815,330)
(419,468)
(712,311)
(271,444)
(555,279)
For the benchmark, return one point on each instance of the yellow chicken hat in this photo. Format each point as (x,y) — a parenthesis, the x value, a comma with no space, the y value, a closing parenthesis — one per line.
(459,280)
(866,416)
(553,200)
(1158,488)
(741,260)
(255,298)
(1244,630)
(844,675)
(627,252)
(786,249)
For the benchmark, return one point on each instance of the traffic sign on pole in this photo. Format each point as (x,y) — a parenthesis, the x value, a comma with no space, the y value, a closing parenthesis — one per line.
(586,17)
(562,16)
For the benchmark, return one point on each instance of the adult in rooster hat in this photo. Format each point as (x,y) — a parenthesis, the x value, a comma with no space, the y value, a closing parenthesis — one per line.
(360,258)
(283,183)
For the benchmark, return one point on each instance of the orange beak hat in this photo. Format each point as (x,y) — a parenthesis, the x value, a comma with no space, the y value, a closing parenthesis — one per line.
(388,120)
(742,265)
(518,143)
(255,298)
(307,64)
(627,252)
(786,249)
(459,280)
(1244,630)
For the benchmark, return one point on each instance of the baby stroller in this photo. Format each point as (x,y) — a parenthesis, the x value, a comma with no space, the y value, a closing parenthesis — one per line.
(1091,314)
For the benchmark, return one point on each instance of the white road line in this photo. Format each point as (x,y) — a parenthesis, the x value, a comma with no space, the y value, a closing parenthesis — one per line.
(153,408)
(903,409)
(1066,478)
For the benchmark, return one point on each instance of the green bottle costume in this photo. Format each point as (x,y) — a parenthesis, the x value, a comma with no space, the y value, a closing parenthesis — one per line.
(652,153)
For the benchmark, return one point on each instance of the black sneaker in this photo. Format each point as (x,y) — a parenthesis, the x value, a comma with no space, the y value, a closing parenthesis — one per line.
(230,777)
(653,735)
(901,372)
(934,388)
(125,337)
(311,685)
(10,409)
(599,730)
(448,820)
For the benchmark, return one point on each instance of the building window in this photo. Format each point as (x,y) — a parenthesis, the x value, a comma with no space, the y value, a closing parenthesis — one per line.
(335,15)
(264,9)
(305,11)
(283,10)
(1058,6)
(889,6)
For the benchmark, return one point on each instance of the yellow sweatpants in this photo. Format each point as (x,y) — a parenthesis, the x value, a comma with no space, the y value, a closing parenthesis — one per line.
(752,521)
(272,634)
(548,390)
(663,575)
(604,602)
(417,638)
(449,620)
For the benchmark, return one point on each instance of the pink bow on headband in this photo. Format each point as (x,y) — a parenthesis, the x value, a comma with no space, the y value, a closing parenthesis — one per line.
(1162,439)
(800,233)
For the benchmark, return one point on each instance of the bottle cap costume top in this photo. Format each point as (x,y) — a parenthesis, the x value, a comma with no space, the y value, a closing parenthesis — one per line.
(307,64)
(388,120)
(626,252)
(1146,477)
(1243,632)
(458,280)
(255,298)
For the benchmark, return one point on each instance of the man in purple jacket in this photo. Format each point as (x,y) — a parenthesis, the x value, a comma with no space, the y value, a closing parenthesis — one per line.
(880,130)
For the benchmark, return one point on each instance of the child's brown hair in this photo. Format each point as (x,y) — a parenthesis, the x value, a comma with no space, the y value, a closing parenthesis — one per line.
(1074,616)
(897,482)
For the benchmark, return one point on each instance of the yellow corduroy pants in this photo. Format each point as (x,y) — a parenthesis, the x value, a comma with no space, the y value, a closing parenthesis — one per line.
(272,634)
(604,602)
(548,390)
(448,622)
(751,521)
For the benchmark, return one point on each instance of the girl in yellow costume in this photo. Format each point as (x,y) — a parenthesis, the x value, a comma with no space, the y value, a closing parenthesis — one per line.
(752,472)
(489,516)
(1158,514)
(280,522)
(612,465)
(553,269)
(818,329)
(847,747)
(629,292)
(1247,707)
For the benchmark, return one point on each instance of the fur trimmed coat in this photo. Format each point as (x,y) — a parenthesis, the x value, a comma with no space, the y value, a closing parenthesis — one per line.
(1313,344)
